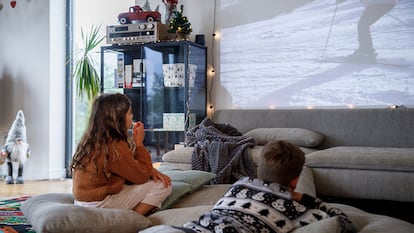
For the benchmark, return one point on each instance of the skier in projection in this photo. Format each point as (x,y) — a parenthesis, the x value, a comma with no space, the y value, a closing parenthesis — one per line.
(374,10)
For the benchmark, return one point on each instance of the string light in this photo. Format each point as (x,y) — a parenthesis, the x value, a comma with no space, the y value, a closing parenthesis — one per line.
(351,106)
(210,110)
(187,113)
(216,35)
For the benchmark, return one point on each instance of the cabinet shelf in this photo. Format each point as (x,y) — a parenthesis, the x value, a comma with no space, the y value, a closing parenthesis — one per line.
(166,82)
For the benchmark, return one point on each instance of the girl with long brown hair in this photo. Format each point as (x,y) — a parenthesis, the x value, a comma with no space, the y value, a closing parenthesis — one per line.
(112,170)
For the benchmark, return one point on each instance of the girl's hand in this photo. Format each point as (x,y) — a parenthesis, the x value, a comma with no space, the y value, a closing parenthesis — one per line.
(138,133)
(158,176)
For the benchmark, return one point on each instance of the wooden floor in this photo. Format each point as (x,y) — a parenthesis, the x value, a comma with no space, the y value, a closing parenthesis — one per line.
(33,187)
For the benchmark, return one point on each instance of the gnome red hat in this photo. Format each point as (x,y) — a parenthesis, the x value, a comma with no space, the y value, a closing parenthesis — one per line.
(17,131)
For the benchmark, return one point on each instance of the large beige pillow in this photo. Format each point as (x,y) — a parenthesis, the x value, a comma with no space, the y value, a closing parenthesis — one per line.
(298,136)
(55,212)
(179,155)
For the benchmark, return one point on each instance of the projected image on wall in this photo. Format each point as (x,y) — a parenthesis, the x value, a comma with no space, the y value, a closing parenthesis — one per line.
(317,53)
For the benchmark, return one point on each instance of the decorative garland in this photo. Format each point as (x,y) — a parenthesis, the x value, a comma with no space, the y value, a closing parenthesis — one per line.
(13,4)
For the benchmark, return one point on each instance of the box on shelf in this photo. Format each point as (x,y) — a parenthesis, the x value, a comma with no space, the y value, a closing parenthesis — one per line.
(128,76)
(120,71)
(138,72)
(174,74)
(176,121)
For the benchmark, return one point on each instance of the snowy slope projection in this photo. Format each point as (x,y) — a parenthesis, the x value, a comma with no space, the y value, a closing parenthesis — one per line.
(275,62)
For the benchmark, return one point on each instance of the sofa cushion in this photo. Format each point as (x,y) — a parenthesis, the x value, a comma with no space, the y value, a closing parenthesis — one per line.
(55,212)
(298,136)
(194,178)
(181,157)
(179,189)
(364,172)
(256,152)
(183,182)
(367,158)
(206,195)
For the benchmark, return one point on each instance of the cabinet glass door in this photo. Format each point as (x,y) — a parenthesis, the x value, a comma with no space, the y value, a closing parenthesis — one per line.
(166,83)
(197,102)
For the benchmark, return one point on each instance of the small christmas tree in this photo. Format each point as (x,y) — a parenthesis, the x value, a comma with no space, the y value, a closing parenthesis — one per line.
(179,24)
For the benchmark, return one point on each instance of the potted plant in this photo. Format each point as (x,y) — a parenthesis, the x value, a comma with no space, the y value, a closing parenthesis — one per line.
(87,78)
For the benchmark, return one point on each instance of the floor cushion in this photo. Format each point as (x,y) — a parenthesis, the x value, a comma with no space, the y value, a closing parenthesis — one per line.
(55,212)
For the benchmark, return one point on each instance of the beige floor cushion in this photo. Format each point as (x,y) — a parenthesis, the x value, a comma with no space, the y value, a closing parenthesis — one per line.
(56,213)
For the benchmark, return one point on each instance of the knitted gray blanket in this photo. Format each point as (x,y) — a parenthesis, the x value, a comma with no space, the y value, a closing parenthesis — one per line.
(221,149)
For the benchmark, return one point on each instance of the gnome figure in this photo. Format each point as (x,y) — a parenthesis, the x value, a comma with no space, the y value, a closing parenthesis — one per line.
(16,148)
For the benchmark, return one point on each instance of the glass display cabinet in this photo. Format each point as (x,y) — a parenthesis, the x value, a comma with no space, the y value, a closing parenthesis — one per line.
(166,82)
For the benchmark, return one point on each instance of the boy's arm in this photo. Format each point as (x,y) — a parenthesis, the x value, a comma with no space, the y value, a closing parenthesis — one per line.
(316,203)
(346,224)
(310,202)
(307,200)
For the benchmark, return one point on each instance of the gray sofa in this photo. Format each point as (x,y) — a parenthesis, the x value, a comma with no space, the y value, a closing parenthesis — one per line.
(365,155)
(353,154)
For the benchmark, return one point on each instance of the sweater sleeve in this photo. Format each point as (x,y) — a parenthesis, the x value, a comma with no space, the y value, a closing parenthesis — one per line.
(315,203)
(310,202)
(133,168)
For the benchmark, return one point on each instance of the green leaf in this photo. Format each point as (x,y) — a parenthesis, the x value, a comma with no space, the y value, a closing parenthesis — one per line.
(88,80)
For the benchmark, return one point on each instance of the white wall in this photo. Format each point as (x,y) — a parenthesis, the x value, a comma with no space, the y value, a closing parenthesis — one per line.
(95,12)
(32,78)
(32,68)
